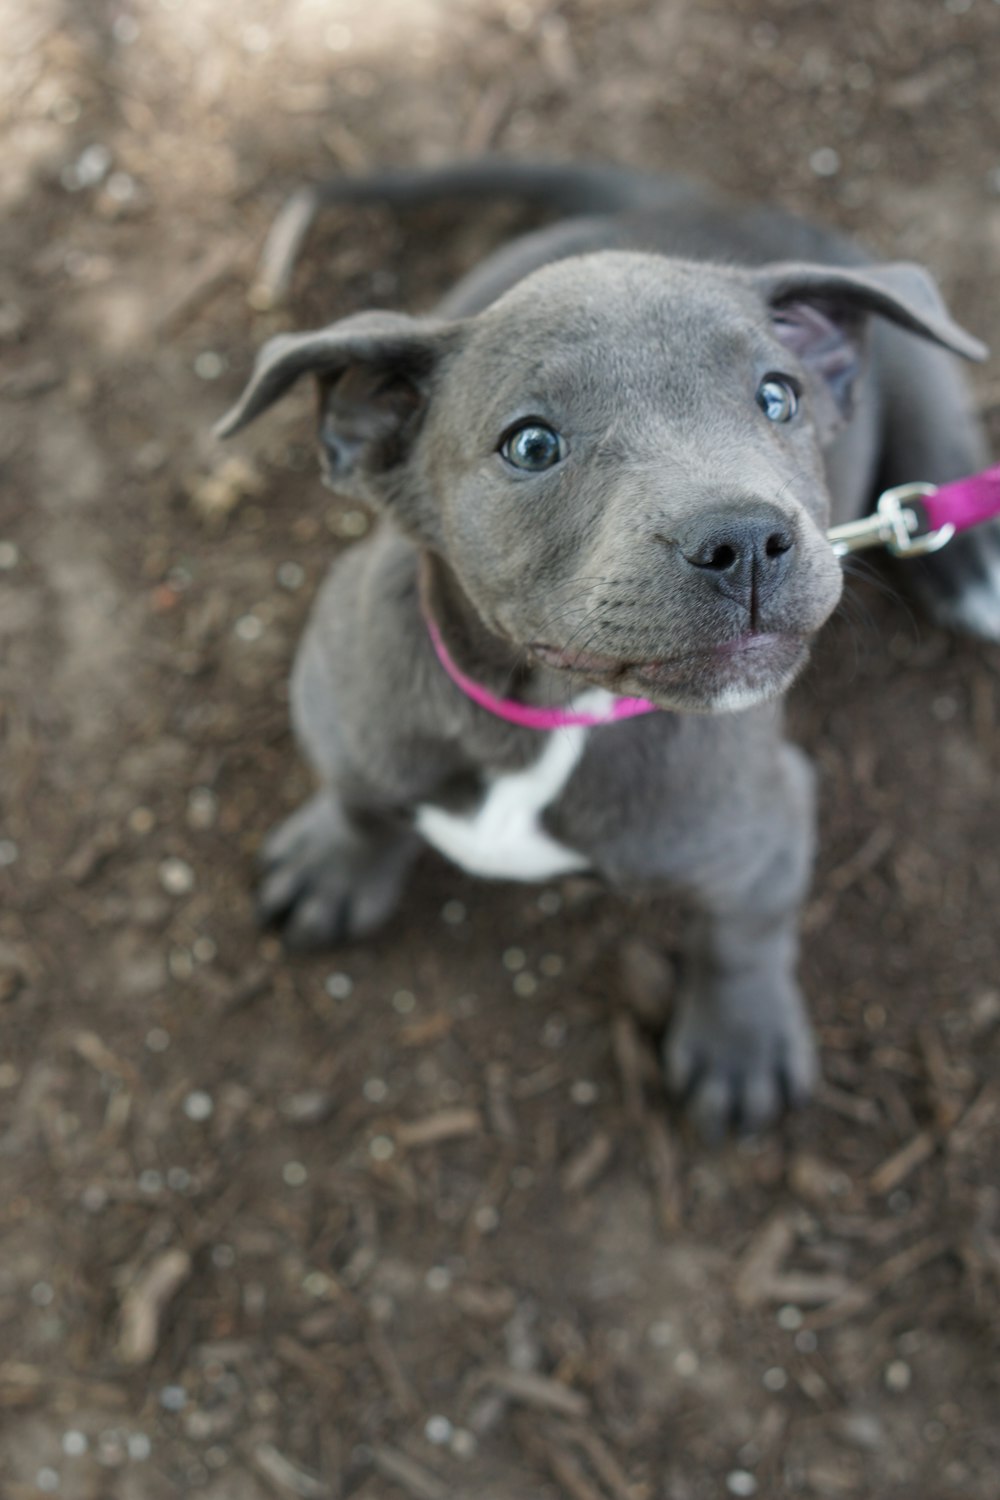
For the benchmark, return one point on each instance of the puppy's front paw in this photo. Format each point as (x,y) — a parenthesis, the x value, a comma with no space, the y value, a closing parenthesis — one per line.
(326,882)
(739,1054)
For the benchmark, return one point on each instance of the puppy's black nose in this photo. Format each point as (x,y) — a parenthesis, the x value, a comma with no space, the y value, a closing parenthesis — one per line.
(744,554)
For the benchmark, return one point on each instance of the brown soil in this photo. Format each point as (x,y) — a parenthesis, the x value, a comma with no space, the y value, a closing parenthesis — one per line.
(414,1220)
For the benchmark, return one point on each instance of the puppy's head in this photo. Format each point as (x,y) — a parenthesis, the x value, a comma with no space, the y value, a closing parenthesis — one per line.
(620,459)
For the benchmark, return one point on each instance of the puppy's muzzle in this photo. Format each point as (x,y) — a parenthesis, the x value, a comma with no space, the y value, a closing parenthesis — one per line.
(744,555)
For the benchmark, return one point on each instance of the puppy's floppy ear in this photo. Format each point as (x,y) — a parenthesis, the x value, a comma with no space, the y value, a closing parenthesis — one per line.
(818,312)
(374,372)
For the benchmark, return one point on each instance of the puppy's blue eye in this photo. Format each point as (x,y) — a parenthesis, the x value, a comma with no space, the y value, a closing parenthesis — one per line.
(533,447)
(777,398)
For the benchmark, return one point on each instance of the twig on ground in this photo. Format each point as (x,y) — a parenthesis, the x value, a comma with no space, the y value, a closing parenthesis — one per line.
(288,1478)
(410,1476)
(145,1303)
(540,1391)
(445,1125)
(583,1169)
(897,1168)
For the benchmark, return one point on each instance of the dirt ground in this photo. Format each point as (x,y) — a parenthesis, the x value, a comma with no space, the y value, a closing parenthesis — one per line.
(414,1220)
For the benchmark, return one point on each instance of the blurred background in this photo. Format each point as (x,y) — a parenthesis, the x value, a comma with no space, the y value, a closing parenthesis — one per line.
(414,1219)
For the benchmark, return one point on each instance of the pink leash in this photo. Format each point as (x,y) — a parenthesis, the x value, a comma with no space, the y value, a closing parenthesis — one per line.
(909,520)
(913,519)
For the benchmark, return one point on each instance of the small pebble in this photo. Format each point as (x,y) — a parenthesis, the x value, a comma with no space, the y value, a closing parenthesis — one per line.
(438,1279)
(176,877)
(47,1480)
(486,1219)
(9,556)
(111,1448)
(686,1364)
(66,110)
(139,1445)
(198,1105)
(204,949)
(294,1174)
(862,1430)
(209,365)
(338,985)
(74,1443)
(173,1398)
(550,902)
(249,628)
(90,168)
(120,187)
(309,1107)
(150,1181)
(741,1482)
(825,162)
(8,853)
(152,457)
(514,959)
(223,1257)
(42,1294)
(551,965)
(125,30)
(142,820)
(180,963)
(453,912)
(661,1334)
(375,1090)
(463,1443)
(898,1376)
(583,1092)
(524,985)
(381,1147)
(157,1040)
(316,1284)
(403,1002)
(774,1379)
(806,1341)
(179,1179)
(554,1032)
(291,576)
(438,1430)
(348,523)
(202,807)
(789,1317)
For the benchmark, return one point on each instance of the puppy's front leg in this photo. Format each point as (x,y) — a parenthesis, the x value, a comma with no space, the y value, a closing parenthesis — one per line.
(330,875)
(741,1048)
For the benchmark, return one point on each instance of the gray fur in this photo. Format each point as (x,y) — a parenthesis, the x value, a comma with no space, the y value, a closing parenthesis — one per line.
(641,338)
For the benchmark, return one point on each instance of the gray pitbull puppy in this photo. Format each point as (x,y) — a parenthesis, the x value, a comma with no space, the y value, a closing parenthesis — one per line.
(605,466)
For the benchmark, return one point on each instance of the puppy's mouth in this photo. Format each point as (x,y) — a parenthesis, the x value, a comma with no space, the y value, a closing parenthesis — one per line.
(747,669)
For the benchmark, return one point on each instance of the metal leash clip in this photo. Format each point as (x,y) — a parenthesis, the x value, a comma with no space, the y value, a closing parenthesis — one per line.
(895,524)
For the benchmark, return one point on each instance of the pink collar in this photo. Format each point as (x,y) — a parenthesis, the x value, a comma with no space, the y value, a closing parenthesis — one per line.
(523,713)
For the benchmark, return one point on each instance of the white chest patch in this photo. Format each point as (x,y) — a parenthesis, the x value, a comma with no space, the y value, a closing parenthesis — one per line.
(504,838)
